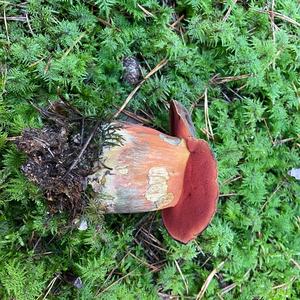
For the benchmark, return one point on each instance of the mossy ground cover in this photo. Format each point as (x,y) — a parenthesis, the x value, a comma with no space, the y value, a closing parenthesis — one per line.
(233,63)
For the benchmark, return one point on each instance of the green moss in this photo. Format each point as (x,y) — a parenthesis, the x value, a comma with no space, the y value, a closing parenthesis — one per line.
(65,51)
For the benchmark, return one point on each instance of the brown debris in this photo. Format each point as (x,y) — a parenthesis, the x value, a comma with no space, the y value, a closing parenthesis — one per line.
(155,252)
(52,151)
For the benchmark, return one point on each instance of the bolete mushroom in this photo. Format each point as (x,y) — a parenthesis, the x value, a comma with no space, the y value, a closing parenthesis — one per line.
(154,171)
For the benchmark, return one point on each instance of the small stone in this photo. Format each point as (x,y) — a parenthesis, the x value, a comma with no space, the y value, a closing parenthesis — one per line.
(83,225)
(294,173)
(78,283)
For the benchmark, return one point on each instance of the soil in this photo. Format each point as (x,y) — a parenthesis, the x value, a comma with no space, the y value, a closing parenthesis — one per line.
(62,154)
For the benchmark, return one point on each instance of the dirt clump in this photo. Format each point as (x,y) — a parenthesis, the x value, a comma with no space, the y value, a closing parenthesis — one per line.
(61,155)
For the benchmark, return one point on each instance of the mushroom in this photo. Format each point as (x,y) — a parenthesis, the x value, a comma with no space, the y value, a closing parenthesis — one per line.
(198,201)
(154,171)
(144,173)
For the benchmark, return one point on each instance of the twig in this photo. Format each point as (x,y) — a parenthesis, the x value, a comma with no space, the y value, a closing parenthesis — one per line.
(269,132)
(13,138)
(208,280)
(117,281)
(36,244)
(164,296)
(219,80)
(238,95)
(145,11)
(195,103)
(22,5)
(273,28)
(205,262)
(154,269)
(231,179)
(279,16)
(183,278)
(136,117)
(28,23)
(17,18)
(233,285)
(113,270)
(228,195)
(241,87)
(73,45)
(106,23)
(47,114)
(75,162)
(153,238)
(280,142)
(173,25)
(36,62)
(284,285)
(226,97)
(206,116)
(295,263)
(280,184)
(4,77)
(130,96)
(229,11)
(5,24)
(50,286)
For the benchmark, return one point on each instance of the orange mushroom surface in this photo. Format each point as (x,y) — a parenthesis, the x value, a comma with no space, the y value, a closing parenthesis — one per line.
(198,201)
(144,173)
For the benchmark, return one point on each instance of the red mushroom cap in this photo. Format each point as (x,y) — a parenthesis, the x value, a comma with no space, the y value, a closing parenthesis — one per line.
(198,200)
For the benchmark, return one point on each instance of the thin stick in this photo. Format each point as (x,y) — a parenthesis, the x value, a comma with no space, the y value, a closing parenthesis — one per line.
(228,288)
(130,96)
(183,278)
(113,270)
(17,18)
(206,116)
(284,285)
(280,142)
(145,11)
(154,269)
(22,5)
(75,162)
(73,45)
(280,184)
(173,25)
(106,23)
(50,286)
(231,179)
(273,28)
(208,280)
(228,195)
(229,10)
(295,263)
(5,24)
(279,16)
(233,285)
(233,91)
(4,76)
(36,62)
(28,23)
(220,80)
(117,281)
(269,132)
(135,116)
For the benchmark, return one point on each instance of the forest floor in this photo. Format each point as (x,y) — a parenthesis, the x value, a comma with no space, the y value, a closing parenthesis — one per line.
(235,66)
